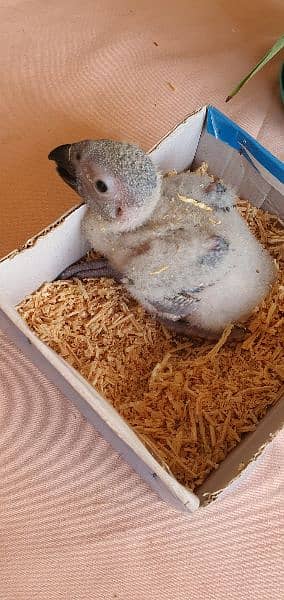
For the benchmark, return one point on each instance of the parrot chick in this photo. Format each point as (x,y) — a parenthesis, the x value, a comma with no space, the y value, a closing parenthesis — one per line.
(176,242)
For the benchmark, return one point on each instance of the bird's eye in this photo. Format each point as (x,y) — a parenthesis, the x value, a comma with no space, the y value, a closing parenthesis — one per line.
(101,186)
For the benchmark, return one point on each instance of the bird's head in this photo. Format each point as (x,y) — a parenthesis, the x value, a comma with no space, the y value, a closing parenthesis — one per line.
(118,181)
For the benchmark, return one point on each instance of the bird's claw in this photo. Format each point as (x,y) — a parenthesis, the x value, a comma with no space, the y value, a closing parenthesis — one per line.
(219,196)
(93,269)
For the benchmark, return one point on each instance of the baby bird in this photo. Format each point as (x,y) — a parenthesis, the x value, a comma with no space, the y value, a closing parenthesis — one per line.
(176,242)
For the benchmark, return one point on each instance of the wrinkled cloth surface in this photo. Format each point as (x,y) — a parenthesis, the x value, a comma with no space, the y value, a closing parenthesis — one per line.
(76,523)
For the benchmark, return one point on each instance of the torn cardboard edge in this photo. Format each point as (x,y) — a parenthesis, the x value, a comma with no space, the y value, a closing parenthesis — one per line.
(61,244)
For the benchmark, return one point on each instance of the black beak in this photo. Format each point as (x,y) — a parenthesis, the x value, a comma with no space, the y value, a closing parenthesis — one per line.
(64,167)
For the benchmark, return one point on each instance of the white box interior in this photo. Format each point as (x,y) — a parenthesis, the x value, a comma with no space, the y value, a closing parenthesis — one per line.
(61,244)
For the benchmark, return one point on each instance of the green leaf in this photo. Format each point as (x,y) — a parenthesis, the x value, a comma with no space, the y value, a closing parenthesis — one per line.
(276,48)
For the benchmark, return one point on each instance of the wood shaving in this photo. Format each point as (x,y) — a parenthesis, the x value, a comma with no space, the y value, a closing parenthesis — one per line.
(203,169)
(215,222)
(195,202)
(189,401)
(171,86)
(171,173)
(161,270)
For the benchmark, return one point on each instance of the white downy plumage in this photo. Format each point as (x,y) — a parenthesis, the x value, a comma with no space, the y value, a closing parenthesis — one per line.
(178,243)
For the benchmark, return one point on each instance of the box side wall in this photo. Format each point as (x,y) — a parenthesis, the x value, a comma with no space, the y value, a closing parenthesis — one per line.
(150,476)
(43,259)
(231,166)
(176,151)
(226,130)
(241,161)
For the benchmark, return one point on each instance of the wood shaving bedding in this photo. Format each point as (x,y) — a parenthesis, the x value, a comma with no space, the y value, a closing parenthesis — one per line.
(200,205)
(189,401)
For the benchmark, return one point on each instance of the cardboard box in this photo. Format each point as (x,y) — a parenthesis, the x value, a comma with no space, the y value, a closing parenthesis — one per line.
(231,154)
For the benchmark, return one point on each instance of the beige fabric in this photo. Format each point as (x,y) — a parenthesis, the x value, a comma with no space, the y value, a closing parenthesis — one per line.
(76,523)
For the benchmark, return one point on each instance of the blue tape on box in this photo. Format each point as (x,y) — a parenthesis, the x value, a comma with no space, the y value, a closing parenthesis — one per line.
(222,128)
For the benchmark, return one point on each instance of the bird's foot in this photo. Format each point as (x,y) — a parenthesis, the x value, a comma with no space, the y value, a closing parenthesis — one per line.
(93,269)
(184,328)
(219,196)
(239,333)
